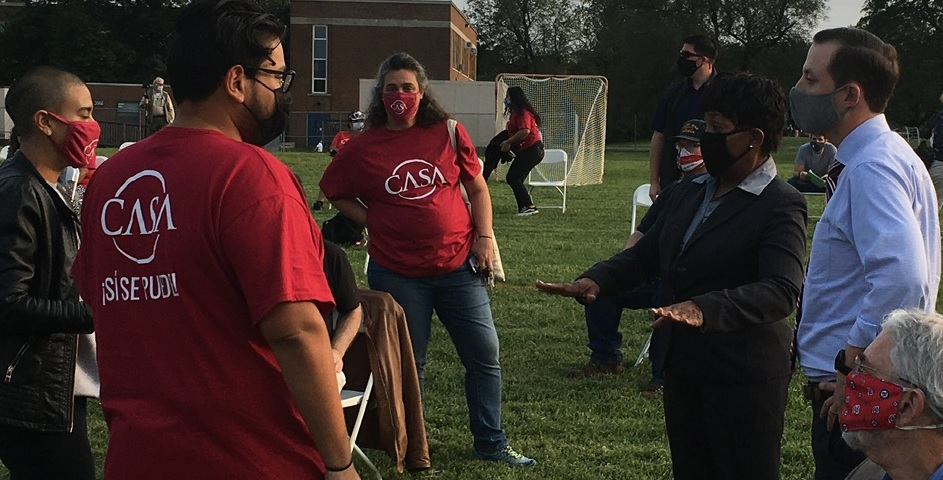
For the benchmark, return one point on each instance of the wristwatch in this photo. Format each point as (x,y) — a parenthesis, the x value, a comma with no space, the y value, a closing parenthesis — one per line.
(840,366)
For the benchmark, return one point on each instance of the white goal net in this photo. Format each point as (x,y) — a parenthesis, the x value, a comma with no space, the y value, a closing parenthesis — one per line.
(573,113)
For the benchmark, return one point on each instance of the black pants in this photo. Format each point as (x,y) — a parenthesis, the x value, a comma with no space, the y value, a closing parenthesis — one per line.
(725,431)
(834,459)
(34,455)
(525,161)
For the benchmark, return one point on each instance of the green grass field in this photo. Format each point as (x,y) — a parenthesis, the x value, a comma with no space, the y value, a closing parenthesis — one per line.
(575,429)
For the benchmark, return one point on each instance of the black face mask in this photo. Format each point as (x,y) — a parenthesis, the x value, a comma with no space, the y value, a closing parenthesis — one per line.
(817,147)
(686,66)
(717,159)
(270,128)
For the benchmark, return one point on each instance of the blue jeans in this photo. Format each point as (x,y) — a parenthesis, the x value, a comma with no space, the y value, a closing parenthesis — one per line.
(461,301)
(602,326)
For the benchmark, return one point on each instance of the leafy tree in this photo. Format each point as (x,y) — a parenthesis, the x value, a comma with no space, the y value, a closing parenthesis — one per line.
(100,40)
(528,36)
(915,28)
(752,28)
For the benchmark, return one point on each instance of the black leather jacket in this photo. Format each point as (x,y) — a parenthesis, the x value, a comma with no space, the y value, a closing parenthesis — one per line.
(40,312)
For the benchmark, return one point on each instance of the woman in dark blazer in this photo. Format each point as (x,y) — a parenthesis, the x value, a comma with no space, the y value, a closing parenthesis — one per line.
(729,249)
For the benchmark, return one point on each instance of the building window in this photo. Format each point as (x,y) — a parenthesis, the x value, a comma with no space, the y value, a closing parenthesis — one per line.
(319,57)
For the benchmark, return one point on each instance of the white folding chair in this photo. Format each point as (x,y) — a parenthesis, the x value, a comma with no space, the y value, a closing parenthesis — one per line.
(125,145)
(640,199)
(354,398)
(551,172)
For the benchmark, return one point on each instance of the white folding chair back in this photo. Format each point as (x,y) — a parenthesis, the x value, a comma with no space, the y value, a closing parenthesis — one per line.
(356,398)
(551,172)
(640,199)
(125,145)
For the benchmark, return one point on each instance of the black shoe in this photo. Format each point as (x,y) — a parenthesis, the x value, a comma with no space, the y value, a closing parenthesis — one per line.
(319,205)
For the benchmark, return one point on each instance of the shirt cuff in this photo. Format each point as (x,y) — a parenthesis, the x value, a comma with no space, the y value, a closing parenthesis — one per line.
(862,333)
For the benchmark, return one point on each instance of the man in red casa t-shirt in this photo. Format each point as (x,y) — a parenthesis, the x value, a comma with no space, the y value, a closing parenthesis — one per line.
(203,269)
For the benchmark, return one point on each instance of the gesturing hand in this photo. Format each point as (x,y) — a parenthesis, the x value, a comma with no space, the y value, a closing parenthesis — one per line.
(686,312)
(583,289)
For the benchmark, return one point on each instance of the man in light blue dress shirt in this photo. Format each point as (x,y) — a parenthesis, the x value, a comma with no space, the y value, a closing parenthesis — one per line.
(877,245)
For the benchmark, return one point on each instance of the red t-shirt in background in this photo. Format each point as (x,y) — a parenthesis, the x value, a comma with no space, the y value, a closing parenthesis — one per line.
(340,139)
(519,121)
(189,239)
(410,182)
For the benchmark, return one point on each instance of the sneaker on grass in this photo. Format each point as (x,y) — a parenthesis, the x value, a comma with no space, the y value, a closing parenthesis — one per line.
(508,456)
(527,211)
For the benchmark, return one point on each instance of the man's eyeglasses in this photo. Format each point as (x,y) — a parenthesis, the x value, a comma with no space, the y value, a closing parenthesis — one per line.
(860,366)
(284,77)
(689,55)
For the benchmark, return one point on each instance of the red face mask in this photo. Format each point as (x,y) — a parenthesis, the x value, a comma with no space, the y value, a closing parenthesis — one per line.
(870,403)
(80,141)
(401,106)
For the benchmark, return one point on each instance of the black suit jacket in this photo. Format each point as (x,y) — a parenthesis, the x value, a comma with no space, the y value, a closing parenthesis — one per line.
(743,267)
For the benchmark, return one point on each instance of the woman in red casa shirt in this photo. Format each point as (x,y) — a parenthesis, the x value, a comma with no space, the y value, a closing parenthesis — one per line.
(402,178)
(527,141)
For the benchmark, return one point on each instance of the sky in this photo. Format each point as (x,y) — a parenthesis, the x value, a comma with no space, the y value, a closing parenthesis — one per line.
(842,13)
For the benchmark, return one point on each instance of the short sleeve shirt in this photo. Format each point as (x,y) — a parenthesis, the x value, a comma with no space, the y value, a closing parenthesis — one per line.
(190,240)
(410,181)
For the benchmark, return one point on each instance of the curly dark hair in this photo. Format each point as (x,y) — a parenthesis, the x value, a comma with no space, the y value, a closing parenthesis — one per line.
(519,103)
(430,111)
(214,35)
(749,100)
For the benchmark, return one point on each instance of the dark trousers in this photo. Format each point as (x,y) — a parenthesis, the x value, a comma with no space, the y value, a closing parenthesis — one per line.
(805,186)
(525,161)
(602,327)
(34,455)
(722,430)
(834,459)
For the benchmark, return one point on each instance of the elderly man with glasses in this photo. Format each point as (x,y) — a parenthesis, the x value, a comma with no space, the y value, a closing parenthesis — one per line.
(894,398)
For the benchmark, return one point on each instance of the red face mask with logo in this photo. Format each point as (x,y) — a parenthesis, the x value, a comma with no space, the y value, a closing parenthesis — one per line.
(80,142)
(401,106)
(870,403)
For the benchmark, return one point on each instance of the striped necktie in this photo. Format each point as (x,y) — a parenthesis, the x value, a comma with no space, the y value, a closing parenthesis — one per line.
(831,181)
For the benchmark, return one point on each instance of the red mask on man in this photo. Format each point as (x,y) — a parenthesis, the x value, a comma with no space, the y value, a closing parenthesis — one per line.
(401,106)
(80,142)
(870,403)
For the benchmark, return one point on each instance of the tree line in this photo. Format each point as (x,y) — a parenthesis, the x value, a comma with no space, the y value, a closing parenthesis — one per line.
(633,43)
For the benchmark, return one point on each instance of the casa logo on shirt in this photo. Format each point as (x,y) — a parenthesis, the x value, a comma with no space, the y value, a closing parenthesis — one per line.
(414,180)
(137,214)
(398,107)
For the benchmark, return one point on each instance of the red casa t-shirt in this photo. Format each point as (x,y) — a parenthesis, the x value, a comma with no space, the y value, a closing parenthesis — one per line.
(410,182)
(189,239)
(340,139)
(519,121)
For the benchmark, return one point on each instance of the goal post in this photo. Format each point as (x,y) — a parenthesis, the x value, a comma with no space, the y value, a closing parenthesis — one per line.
(572,109)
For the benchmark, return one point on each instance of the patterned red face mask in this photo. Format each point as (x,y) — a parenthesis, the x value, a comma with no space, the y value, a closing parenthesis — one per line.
(870,403)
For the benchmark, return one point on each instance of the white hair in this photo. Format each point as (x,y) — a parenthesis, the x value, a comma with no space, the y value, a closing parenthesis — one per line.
(917,354)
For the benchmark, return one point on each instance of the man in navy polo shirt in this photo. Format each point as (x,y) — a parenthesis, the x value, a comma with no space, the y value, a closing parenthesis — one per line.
(679,103)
